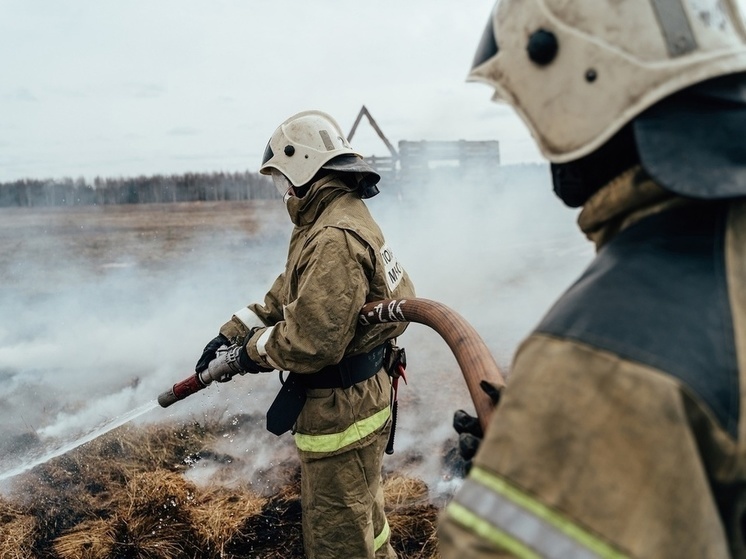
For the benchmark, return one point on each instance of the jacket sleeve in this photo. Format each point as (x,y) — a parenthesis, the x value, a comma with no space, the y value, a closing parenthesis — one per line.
(333,278)
(256,315)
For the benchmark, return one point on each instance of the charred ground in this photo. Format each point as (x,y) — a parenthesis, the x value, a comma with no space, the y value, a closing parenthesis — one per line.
(103,308)
(126,495)
(169,488)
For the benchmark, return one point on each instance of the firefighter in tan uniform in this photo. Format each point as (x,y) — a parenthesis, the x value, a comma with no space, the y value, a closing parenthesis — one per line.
(622,431)
(337,398)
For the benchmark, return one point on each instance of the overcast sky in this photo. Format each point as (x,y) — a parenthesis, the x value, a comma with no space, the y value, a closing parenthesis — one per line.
(120,88)
(128,87)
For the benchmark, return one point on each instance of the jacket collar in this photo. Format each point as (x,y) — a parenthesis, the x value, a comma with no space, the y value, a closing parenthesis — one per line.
(304,211)
(625,200)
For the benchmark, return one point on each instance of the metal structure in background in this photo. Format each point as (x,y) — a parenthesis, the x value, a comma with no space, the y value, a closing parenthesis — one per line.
(364,112)
(414,160)
(460,158)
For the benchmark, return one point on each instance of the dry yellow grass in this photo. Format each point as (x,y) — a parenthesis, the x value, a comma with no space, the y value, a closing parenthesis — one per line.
(221,514)
(17,531)
(412,518)
(92,539)
(124,496)
(404,491)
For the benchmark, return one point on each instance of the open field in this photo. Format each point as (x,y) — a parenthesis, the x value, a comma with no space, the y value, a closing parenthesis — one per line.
(127,494)
(103,308)
(149,236)
(173,486)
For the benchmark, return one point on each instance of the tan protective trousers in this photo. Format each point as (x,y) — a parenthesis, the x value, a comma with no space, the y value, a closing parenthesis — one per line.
(343,505)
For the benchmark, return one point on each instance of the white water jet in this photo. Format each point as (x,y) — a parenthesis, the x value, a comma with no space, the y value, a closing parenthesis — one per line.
(88,437)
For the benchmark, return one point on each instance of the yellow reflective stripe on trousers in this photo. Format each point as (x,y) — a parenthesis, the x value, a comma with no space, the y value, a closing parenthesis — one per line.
(509,518)
(382,538)
(334,441)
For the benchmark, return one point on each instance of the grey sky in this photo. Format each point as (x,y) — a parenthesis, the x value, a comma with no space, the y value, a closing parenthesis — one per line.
(120,88)
(114,88)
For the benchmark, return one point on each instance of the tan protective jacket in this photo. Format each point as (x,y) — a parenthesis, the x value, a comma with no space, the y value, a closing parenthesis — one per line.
(338,260)
(621,432)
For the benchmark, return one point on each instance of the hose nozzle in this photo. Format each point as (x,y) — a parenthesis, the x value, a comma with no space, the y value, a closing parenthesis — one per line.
(181,390)
(167,398)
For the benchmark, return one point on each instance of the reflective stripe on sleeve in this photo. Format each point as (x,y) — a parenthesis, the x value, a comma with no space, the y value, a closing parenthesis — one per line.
(262,341)
(511,519)
(382,538)
(248,317)
(261,347)
(334,441)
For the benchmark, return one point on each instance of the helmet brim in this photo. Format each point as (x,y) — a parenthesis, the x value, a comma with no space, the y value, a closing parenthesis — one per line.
(352,164)
(703,127)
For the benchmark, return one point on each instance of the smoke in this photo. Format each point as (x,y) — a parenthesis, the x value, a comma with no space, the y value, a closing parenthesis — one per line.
(496,249)
(95,325)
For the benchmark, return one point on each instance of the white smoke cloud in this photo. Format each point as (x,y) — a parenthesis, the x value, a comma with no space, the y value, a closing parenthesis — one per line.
(498,252)
(85,340)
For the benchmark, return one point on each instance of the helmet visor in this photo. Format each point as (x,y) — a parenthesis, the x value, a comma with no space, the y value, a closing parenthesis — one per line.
(487,47)
(268,154)
(282,184)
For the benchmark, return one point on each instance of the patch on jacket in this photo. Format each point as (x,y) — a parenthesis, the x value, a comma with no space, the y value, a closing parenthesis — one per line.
(392,269)
(657,294)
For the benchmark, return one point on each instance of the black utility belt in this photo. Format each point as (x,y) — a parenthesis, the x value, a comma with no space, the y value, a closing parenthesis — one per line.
(349,371)
(289,401)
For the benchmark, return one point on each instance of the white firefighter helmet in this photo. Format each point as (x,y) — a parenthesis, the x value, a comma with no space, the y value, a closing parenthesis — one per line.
(577,71)
(303,144)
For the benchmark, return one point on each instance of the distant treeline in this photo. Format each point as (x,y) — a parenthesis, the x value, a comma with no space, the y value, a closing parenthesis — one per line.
(189,187)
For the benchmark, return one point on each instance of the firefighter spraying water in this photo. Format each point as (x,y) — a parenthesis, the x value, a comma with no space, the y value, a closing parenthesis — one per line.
(474,358)
(337,395)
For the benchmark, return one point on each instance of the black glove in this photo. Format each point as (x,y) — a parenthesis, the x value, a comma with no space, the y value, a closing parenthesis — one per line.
(230,361)
(208,354)
(467,426)
(248,365)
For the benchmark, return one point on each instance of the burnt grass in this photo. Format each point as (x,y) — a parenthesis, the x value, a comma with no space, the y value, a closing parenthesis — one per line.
(125,496)
(129,493)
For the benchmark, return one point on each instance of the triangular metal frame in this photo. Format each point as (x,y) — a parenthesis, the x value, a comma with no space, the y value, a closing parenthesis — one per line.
(364,111)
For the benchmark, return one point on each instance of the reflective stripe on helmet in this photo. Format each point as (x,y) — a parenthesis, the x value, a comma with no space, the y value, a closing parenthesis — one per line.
(509,518)
(675,26)
(334,441)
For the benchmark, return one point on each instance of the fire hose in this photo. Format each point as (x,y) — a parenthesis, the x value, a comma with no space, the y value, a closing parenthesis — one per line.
(471,353)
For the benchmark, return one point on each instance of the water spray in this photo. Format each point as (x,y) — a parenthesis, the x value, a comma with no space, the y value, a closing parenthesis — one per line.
(66,447)
(471,353)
